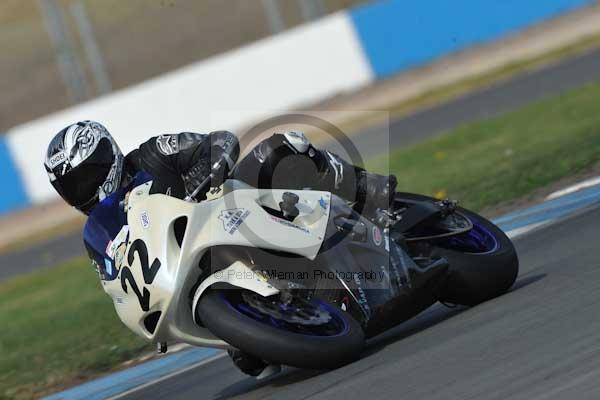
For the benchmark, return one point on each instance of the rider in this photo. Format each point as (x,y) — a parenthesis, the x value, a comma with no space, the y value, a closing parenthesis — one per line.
(85,165)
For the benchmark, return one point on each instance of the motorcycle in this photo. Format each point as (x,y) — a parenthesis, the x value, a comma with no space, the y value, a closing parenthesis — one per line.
(293,277)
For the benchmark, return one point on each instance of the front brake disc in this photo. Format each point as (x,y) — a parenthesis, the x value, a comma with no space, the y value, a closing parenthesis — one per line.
(298,311)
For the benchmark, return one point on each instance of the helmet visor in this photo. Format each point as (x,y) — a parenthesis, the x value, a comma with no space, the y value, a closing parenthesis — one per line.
(79,186)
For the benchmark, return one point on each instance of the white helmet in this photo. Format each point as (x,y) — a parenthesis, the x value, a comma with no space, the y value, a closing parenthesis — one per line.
(84,164)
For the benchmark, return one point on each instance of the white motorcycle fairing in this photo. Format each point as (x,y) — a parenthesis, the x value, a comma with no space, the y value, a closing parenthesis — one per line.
(158,270)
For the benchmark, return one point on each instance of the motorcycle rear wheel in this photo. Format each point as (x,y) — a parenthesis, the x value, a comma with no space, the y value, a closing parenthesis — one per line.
(483,263)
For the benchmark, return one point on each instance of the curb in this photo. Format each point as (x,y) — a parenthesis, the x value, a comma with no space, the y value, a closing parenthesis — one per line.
(120,383)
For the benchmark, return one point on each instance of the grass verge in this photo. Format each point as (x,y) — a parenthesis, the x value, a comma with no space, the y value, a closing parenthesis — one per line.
(489,162)
(59,327)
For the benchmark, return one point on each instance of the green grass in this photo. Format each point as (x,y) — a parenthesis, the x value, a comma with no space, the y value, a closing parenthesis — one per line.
(493,161)
(58,326)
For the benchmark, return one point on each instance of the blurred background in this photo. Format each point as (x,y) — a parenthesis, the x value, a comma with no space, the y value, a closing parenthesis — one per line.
(474,99)
(60,53)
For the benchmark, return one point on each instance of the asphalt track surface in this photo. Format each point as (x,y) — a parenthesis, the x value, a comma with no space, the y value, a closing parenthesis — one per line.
(540,341)
(485,103)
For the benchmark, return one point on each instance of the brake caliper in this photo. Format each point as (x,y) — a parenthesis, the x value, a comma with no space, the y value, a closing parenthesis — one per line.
(447,207)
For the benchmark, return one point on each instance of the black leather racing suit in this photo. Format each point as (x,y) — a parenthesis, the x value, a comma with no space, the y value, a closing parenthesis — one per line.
(179,162)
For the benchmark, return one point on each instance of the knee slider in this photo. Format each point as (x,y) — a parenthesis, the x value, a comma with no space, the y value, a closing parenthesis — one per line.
(298,141)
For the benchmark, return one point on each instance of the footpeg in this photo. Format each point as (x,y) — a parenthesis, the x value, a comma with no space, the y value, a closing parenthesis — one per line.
(269,371)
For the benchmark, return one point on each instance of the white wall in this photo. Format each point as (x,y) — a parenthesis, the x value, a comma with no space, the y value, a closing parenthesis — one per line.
(229,91)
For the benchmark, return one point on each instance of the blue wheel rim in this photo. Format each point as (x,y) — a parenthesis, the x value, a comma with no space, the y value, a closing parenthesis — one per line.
(337,326)
(478,240)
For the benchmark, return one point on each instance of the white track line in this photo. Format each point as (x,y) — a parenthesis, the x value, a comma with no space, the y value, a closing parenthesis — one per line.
(169,376)
(515,233)
(574,188)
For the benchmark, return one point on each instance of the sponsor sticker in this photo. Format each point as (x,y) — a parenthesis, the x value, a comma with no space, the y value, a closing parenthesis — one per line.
(118,241)
(108,266)
(57,159)
(362,297)
(377,236)
(167,144)
(145,219)
(119,256)
(115,250)
(233,218)
(323,203)
(109,249)
(289,224)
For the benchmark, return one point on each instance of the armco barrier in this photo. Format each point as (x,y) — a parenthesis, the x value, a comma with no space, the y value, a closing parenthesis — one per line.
(12,195)
(341,52)
(231,90)
(399,34)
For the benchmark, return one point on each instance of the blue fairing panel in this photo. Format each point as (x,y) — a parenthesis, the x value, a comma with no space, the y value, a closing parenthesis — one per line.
(104,223)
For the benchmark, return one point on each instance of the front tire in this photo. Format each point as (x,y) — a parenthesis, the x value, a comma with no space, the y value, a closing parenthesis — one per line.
(477,275)
(261,337)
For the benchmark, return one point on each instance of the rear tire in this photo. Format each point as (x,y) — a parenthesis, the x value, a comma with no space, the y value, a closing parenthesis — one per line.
(276,345)
(475,277)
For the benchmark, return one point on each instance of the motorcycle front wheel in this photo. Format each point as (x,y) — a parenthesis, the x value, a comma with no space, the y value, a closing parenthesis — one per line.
(311,334)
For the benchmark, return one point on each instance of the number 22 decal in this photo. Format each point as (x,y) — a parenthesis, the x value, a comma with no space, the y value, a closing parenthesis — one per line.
(149,272)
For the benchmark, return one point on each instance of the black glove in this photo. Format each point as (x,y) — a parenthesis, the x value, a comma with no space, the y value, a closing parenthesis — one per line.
(223,143)
(223,155)
(220,171)
(195,176)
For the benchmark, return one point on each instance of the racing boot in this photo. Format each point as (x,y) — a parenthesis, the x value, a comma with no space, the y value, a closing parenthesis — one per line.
(375,192)
(253,366)
(248,364)
(289,160)
(367,191)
